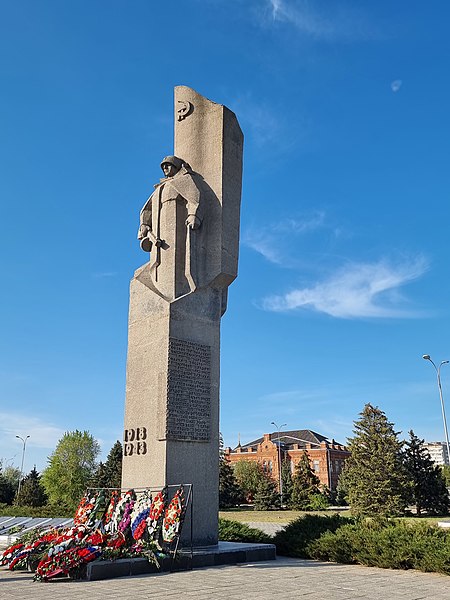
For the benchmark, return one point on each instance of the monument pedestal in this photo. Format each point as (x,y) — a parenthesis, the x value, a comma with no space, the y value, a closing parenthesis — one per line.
(172,410)
(224,553)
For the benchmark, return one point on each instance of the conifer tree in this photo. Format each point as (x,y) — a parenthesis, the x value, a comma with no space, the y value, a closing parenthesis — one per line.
(305,484)
(100,477)
(428,489)
(32,492)
(230,493)
(286,478)
(109,473)
(374,474)
(7,491)
(266,496)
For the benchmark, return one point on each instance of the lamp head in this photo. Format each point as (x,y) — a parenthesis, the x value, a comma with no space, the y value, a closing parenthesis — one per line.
(426,357)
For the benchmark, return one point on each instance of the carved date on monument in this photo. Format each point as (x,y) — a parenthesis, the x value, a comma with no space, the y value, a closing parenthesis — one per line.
(188,391)
(134,443)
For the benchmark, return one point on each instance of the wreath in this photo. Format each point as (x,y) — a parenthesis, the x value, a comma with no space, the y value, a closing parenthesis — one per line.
(173,516)
(156,512)
(141,511)
(85,508)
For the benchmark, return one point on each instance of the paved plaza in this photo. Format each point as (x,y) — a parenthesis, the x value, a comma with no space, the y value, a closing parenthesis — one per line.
(283,578)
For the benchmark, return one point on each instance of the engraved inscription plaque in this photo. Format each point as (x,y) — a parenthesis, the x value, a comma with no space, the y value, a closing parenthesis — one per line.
(188,391)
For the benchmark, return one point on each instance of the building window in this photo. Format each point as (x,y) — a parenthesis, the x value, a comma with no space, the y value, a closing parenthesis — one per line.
(270,466)
(316,466)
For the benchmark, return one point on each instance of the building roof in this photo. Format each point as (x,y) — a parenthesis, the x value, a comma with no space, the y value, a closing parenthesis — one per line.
(288,438)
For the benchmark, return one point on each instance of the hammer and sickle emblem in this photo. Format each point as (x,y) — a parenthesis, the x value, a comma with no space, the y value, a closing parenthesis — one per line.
(184,109)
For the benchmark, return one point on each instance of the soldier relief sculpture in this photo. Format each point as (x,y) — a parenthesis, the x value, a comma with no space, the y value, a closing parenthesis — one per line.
(170,229)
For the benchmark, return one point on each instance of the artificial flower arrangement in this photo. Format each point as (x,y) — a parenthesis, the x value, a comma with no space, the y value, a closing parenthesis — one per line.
(85,508)
(156,513)
(129,525)
(140,513)
(173,517)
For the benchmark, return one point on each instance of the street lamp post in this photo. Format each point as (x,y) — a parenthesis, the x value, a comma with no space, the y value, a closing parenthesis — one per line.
(438,371)
(279,460)
(24,441)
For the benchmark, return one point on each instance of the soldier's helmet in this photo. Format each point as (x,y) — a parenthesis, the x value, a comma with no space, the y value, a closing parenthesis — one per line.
(172,160)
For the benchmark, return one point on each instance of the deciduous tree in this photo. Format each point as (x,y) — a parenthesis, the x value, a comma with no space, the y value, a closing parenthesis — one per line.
(249,475)
(71,467)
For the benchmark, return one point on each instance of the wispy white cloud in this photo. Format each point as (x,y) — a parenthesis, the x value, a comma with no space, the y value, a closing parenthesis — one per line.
(333,427)
(44,437)
(284,398)
(42,434)
(337,22)
(263,123)
(396,85)
(358,290)
(302,17)
(271,241)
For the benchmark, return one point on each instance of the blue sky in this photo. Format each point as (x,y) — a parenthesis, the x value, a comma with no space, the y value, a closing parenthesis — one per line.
(343,279)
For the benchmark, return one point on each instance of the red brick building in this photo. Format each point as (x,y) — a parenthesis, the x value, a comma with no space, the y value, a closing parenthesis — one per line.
(327,457)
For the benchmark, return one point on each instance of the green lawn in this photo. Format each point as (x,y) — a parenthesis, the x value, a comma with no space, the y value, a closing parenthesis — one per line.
(245,515)
(271,516)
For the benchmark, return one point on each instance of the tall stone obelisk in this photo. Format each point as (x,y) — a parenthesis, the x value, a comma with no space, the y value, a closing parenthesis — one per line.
(190,224)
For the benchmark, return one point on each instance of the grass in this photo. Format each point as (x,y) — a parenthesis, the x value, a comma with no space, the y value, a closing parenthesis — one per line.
(248,515)
(244,515)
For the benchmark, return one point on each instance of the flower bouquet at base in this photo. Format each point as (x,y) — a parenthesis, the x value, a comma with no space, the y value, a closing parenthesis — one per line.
(140,513)
(85,508)
(65,562)
(173,518)
(121,517)
(156,514)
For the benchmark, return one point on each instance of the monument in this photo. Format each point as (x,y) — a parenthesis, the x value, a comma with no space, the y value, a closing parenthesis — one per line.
(190,227)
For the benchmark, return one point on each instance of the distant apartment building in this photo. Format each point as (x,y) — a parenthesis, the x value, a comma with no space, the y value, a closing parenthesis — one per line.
(438,452)
(326,457)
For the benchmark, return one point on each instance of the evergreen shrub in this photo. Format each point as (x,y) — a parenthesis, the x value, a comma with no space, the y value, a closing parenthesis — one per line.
(233,531)
(389,544)
(295,538)
(319,501)
(48,510)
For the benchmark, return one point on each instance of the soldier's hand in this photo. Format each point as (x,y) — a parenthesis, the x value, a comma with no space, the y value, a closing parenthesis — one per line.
(143,230)
(193,222)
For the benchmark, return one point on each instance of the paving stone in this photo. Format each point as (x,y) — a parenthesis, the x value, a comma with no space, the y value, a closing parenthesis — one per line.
(294,578)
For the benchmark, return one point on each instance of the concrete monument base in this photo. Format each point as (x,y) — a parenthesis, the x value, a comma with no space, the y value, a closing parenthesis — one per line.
(224,553)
